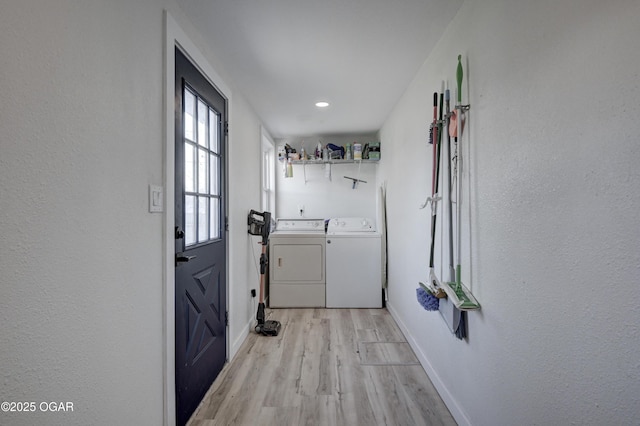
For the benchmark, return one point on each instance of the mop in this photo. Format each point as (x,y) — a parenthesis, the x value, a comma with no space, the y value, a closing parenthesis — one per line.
(262,228)
(428,296)
(456,291)
(452,316)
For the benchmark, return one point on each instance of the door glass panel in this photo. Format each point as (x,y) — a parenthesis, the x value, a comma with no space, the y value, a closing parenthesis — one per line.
(189,168)
(214,120)
(203,219)
(215,170)
(202,123)
(190,220)
(215,218)
(189,114)
(203,171)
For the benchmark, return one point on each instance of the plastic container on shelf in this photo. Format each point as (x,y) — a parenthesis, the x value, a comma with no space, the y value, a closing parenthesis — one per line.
(357,151)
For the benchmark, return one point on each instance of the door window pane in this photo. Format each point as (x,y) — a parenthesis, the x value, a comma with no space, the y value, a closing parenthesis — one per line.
(203,171)
(189,168)
(202,123)
(189,114)
(215,218)
(203,219)
(214,125)
(190,220)
(214,177)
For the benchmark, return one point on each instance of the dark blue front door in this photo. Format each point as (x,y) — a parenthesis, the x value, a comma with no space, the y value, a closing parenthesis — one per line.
(200,273)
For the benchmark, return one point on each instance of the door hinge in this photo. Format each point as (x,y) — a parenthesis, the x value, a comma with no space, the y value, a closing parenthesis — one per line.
(226,223)
(226,318)
(226,128)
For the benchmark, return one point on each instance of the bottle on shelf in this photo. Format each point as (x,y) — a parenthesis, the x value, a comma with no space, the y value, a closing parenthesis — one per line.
(289,172)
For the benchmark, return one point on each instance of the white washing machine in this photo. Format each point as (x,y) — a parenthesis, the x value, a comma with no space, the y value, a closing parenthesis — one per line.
(297,264)
(354,263)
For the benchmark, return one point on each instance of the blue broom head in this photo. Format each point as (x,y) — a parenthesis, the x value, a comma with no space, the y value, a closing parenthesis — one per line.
(428,301)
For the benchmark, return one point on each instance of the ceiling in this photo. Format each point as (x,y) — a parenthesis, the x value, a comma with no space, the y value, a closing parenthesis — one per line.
(285,55)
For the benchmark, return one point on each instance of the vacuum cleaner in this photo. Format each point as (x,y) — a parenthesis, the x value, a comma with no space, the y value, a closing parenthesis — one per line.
(260,224)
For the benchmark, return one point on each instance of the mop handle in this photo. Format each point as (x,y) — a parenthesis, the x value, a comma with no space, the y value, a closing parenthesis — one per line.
(459,177)
(434,141)
(459,80)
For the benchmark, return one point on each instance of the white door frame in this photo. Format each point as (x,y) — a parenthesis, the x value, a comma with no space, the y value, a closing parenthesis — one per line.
(175,36)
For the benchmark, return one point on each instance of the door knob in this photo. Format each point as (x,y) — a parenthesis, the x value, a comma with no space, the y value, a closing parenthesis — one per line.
(182,258)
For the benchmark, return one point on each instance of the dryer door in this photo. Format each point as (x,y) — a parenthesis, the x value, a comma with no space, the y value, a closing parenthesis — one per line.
(296,269)
(299,263)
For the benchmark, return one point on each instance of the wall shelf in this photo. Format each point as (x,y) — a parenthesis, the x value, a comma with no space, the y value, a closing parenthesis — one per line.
(333,161)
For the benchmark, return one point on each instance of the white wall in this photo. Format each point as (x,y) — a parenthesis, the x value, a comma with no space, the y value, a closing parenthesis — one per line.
(555,258)
(321,196)
(244,188)
(81,259)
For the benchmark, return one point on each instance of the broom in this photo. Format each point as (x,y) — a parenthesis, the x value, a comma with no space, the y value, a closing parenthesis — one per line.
(428,295)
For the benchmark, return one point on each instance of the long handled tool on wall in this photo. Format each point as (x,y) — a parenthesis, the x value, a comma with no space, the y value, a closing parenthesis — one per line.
(428,295)
(457,292)
(454,318)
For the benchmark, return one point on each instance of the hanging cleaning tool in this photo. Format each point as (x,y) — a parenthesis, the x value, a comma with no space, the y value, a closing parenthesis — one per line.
(434,288)
(458,293)
(260,224)
(434,282)
(453,317)
(448,115)
(433,140)
(355,181)
(426,299)
(429,295)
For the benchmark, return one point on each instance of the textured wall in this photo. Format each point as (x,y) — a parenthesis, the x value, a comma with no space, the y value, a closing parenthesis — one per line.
(81,258)
(244,188)
(554,235)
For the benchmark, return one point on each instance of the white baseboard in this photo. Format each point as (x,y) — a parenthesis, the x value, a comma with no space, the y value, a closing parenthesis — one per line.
(235,347)
(446,396)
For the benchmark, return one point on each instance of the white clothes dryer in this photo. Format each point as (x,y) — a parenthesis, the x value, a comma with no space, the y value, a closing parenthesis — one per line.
(297,264)
(354,263)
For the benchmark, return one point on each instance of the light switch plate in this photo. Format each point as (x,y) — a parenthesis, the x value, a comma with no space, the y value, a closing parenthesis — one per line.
(156,199)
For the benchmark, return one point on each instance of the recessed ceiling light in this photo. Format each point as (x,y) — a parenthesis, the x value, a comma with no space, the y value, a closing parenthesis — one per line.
(322,104)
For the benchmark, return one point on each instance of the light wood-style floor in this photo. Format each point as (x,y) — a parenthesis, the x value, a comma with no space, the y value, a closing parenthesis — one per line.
(326,367)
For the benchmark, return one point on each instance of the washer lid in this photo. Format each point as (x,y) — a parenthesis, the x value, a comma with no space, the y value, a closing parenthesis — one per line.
(316,225)
(347,225)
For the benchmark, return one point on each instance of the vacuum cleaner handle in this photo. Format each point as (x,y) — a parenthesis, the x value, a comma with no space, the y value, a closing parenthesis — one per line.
(260,227)
(253,214)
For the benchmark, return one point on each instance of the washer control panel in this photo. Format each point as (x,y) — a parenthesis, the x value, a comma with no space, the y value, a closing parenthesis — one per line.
(351,224)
